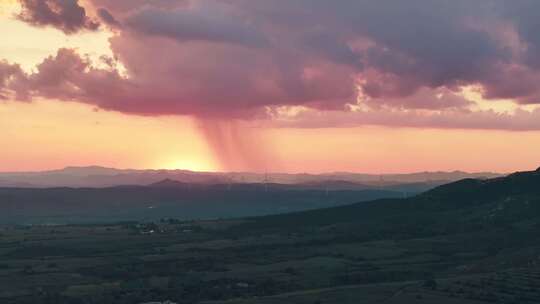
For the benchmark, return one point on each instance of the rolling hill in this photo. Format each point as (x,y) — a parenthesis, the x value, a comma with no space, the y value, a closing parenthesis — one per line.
(467,242)
(458,206)
(168,198)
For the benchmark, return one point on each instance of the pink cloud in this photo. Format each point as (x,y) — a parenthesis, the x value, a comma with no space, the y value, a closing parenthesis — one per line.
(239,58)
(67,15)
(521,120)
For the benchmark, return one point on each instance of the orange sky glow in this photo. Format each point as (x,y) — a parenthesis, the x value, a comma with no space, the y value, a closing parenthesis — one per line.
(48,134)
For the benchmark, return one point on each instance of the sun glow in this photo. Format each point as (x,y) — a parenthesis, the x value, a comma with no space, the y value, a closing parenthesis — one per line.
(474,93)
(9,7)
(191,164)
(50,134)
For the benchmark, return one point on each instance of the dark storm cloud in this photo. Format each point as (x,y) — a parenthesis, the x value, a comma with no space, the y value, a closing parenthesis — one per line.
(66,15)
(195,25)
(236,58)
(418,43)
(332,47)
(422,43)
(108,18)
(396,48)
(524,15)
(121,7)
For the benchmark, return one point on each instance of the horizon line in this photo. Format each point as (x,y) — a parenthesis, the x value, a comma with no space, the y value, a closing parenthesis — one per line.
(255,172)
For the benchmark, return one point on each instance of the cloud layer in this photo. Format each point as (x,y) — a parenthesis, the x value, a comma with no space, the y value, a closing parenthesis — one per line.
(247,58)
(67,15)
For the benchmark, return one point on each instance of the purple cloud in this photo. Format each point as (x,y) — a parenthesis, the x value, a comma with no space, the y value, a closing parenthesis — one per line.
(66,15)
(244,58)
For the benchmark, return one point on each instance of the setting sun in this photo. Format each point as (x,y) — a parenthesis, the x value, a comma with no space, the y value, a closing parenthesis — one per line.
(192,164)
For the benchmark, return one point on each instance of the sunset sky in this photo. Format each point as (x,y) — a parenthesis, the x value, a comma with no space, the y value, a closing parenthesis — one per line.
(270,85)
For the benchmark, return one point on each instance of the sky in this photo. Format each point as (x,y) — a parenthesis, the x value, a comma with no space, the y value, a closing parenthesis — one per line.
(256,85)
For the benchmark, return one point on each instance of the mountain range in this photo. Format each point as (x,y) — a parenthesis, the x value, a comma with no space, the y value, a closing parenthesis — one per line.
(96,177)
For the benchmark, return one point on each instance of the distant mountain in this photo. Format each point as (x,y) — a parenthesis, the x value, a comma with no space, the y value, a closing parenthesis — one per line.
(95,176)
(98,177)
(334,185)
(217,195)
(167,183)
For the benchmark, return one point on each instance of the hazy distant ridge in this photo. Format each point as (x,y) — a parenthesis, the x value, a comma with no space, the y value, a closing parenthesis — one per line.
(95,176)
